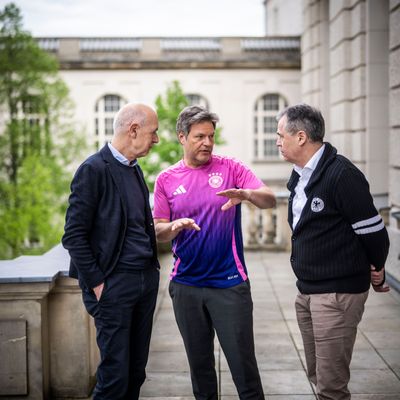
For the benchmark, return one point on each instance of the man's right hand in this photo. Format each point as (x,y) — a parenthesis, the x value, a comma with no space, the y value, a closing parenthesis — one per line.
(169,230)
(98,290)
(184,223)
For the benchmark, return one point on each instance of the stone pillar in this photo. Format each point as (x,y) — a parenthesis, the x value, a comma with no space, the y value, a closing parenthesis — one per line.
(283,233)
(377,96)
(268,226)
(393,263)
(73,351)
(252,225)
(25,303)
(69,49)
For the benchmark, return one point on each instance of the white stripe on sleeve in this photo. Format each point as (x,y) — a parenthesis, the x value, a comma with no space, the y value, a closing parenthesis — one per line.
(366,222)
(370,229)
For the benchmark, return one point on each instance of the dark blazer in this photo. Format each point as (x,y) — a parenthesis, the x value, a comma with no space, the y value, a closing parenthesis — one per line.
(96,219)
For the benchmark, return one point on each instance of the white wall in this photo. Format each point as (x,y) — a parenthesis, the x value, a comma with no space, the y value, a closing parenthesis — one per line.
(230,93)
(283,17)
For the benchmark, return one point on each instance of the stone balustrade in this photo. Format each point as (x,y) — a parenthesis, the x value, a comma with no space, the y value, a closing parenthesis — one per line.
(267,229)
(47,340)
(168,52)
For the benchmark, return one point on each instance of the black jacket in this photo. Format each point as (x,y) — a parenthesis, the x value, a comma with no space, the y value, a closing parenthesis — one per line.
(96,219)
(339,233)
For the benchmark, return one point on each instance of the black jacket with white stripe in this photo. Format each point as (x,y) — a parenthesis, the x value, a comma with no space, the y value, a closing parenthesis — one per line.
(339,234)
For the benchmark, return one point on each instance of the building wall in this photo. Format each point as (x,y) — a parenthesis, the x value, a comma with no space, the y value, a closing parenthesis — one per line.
(350,70)
(394,147)
(282,17)
(232,94)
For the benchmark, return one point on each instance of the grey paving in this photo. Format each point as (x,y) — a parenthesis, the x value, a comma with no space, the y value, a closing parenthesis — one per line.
(279,349)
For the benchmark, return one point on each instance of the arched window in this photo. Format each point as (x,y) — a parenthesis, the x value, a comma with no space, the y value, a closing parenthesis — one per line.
(265,124)
(105,110)
(197,100)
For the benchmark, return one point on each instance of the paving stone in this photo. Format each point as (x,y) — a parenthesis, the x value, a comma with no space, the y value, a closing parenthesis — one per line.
(167,384)
(374,381)
(364,359)
(380,325)
(166,343)
(289,382)
(392,358)
(277,397)
(384,340)
(166,361)
(375,397)
(279,347)
(264,326)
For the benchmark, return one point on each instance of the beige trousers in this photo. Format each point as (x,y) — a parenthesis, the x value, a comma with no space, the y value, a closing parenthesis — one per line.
(328,325)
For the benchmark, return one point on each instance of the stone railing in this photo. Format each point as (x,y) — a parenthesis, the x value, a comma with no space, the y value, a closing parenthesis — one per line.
(267,229)
(167,52)
(47,340)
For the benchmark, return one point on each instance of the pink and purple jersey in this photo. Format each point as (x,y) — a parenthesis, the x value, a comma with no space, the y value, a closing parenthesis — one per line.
(212,257)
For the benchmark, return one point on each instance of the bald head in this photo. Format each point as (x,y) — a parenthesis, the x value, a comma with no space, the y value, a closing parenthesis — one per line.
(128,114)
(135,130)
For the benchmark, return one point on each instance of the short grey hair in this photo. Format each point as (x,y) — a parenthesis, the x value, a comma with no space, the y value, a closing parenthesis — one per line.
(192,115)
(126,115)
(302,117)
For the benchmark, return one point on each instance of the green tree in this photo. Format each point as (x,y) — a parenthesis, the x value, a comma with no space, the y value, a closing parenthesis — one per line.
(168,151)
(33,142)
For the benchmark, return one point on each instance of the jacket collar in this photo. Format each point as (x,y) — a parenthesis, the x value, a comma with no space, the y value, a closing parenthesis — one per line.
(328,156)
(106,154)
(326,159)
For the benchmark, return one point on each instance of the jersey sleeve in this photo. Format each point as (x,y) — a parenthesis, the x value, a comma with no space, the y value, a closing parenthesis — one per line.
(161,206)
(245,178)
(354,200)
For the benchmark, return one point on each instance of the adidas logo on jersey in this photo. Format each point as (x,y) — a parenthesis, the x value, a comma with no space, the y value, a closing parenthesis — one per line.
(179,190)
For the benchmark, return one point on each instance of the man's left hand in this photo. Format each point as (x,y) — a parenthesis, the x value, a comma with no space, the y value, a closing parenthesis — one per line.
(235,196)
(377,277)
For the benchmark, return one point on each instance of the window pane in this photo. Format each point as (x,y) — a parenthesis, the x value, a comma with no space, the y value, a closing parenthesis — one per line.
(269,125)
(111,103)
(271,102)
(270,148)
(197,100)
(108,126)
(265,124)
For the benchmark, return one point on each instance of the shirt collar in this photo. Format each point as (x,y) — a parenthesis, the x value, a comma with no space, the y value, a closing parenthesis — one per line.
(120,157)
(312,162)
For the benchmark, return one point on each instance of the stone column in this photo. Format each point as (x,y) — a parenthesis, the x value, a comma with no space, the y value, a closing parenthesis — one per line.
(268,226)
(24,321)
(73,351)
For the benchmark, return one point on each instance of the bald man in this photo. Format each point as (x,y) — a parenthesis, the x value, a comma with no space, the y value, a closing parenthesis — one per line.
(109,234)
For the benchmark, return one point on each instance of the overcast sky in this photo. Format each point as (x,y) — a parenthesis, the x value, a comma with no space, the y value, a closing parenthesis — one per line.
(142,17)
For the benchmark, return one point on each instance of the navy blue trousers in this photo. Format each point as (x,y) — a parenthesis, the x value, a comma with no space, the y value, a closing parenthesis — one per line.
(123,317)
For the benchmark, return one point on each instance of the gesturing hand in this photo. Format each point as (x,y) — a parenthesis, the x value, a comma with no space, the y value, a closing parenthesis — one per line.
(235,196)
(184,223)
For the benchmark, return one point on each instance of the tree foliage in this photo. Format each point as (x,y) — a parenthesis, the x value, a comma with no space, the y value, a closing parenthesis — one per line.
(33,142)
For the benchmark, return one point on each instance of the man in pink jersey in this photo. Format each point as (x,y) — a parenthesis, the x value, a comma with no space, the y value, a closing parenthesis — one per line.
(209,286)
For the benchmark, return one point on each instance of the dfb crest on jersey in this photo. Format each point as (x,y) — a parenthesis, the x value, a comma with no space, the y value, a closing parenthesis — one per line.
(215,180)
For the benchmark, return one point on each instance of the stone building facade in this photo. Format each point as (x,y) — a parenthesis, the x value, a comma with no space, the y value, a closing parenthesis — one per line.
(351,71)
(348,65)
